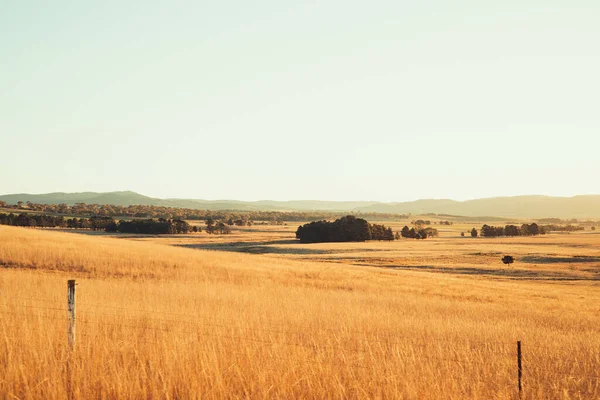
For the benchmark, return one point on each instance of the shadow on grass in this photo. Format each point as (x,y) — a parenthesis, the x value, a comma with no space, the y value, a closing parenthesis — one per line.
(264,247)
(500,272)
(553,260)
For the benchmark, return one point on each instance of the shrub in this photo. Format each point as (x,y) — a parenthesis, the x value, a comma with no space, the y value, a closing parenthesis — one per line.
(508,260)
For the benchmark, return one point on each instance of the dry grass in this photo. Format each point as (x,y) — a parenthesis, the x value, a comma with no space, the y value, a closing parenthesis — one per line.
(550,257)
(157,321)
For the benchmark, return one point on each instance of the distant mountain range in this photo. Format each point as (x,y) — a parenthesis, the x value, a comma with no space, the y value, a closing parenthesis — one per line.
(587,206)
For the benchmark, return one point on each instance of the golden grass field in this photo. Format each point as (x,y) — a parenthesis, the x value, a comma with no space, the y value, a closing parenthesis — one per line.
(170,317)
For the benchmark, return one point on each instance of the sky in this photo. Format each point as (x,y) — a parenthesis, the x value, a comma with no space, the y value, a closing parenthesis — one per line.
(273,99)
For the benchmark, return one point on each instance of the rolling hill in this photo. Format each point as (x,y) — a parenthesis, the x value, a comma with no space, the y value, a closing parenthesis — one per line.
(586,206)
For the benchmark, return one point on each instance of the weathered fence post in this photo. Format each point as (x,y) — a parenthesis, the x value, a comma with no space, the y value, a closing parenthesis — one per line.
(71,310)
(520,367)
(70,335)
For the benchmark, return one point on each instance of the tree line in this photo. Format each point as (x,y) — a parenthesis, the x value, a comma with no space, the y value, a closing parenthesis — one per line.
(231,217)
(219,227)
(418,233)
(564,228)
(154,227)
(108,224)
(532,229)
(345,229)
(509,230)
(51,221)
(421,222)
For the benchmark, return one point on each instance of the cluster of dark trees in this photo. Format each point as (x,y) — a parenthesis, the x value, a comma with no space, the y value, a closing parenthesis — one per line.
(563,228)
(153,227)
(512,230)
(31,220)
(345,229)
(420,222)
(108,224)
(419,233)
(97,222)
(51,221)
(381,232)
(243,221)
(525,230)
(214,227)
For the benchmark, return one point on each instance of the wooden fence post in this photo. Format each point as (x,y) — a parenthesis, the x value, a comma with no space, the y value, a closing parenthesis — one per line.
(520,367)
(70,335)
(71,310)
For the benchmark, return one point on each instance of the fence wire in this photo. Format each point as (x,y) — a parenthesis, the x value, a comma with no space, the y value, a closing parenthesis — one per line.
(338,352)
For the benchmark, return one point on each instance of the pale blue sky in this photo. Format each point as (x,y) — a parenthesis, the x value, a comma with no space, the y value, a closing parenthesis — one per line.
(334,100)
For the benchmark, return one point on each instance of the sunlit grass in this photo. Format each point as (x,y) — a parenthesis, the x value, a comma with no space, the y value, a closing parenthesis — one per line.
(157,321)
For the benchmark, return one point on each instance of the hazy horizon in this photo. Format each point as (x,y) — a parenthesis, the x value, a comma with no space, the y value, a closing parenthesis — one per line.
(307,199)
(394,101)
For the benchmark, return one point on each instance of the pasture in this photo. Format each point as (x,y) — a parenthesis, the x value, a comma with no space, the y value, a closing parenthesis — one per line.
(256,314)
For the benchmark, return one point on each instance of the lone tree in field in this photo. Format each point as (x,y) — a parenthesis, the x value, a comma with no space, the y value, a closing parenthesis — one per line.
(508,260)
(474,232)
